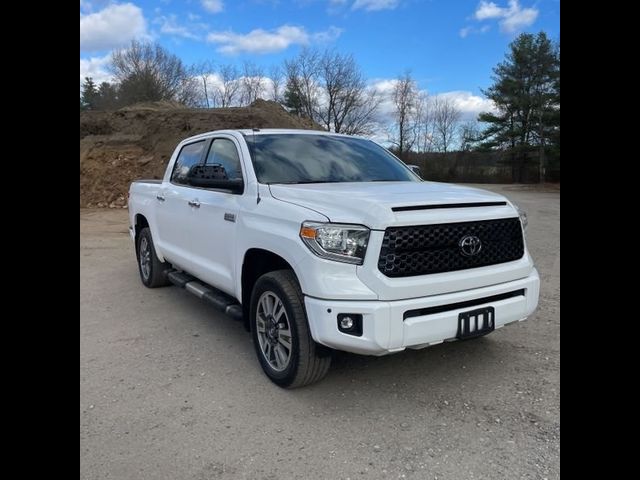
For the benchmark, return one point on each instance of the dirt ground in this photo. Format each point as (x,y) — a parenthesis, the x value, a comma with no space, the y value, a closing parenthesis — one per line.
(169,388)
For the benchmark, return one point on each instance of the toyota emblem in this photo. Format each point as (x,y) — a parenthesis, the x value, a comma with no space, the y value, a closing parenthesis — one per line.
(470,245)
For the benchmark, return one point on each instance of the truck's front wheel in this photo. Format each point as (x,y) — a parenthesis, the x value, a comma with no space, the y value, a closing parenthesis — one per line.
(283,343)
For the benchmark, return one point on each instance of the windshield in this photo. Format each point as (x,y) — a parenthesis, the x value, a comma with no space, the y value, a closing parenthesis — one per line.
(309,158)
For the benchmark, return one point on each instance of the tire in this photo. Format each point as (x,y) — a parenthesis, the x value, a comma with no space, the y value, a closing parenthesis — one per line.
(151,269)
(305,361)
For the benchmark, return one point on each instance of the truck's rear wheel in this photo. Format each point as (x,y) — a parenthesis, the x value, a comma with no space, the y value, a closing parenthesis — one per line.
(280,331)
(150,267)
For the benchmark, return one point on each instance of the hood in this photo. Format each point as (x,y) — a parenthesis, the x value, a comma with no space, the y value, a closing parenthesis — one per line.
(378,205)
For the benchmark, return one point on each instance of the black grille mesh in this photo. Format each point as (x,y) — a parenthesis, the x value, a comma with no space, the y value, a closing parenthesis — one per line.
(423,249)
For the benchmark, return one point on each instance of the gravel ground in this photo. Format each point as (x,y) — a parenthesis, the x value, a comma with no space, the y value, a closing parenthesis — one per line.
(170,389)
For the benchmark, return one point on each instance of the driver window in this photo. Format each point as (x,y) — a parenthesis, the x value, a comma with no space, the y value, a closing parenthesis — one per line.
(223,152)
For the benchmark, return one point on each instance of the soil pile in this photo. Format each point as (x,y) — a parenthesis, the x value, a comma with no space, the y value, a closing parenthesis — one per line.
(136,142)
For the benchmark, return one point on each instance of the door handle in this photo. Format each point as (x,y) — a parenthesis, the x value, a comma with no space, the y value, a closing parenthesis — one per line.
(194,203)
(160,197)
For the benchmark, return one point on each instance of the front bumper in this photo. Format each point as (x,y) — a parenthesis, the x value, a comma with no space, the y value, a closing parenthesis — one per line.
(386,331)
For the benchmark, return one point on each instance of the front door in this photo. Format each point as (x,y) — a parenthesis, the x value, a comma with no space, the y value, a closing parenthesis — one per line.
(214,225)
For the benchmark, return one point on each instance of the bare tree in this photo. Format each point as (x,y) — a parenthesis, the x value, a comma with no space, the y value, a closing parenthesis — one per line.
(275,74)
(446,117)
(337,75)
(204,71)
(331,89)
(425,134)
(252,83)
(302,81)
(405,99)
(469,135)
(147,72)
(360,119)
(225,92)
(345,105)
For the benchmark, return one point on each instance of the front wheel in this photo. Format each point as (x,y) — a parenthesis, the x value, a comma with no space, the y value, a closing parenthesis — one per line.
(286,351)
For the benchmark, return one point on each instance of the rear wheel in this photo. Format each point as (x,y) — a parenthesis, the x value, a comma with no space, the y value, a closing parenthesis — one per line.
(150,267)
(280,331)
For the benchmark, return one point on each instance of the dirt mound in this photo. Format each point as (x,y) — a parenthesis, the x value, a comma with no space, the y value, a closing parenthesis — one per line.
(137,142)
(153,106)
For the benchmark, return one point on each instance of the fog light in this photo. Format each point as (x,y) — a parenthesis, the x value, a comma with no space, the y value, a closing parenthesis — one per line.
(346,323)
(350,323)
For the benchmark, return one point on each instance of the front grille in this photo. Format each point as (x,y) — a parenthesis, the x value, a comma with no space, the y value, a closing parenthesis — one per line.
(424,249)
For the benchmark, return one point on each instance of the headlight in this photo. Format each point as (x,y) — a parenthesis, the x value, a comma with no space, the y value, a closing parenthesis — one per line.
(336,241)
(523,217)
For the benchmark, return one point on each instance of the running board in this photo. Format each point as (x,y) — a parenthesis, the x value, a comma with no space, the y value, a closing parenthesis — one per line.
(219,300)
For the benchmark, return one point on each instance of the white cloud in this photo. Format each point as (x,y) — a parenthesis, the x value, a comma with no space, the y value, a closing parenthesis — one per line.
(518,18)
(384,87)
(327,36)
(96,68)
(488,10)
(512,18)
(213,6)
(336,6)
(215,83)
(263,41)
(170,26)
(469,104)
(375,5)
(466,31)
(114,26)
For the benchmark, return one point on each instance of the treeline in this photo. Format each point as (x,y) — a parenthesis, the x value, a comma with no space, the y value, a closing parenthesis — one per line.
(143,72)
(330,88)
(326,86)
(475,166)
(523,131)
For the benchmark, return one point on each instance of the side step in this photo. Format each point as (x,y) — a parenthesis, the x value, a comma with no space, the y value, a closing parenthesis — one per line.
(220,300)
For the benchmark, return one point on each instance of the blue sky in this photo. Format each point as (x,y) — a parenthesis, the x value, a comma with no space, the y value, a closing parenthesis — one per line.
(449,46)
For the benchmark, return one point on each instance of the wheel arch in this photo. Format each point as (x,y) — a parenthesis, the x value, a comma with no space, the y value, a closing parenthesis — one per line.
(255,263)
(140,222)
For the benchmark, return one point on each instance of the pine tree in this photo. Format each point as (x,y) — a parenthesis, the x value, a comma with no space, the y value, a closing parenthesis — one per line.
(292,98)
(89,95)
(526,93)
(107,96)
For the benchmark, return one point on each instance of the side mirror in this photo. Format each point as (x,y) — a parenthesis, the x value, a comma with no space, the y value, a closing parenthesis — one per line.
(213,176)
(415,169)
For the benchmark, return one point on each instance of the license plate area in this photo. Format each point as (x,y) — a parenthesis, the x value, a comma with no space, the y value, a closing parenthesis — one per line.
(476,323)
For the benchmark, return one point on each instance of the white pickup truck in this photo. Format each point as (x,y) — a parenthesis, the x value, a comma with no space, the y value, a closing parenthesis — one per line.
(319,241)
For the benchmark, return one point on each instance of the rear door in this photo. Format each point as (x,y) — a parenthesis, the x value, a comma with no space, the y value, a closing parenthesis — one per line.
(173,212)
(214,222)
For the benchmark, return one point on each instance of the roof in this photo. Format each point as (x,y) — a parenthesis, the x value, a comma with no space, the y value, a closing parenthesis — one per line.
(265,131)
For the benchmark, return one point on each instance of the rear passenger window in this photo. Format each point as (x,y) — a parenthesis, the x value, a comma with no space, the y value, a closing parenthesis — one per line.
(189,155)
(223,152)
